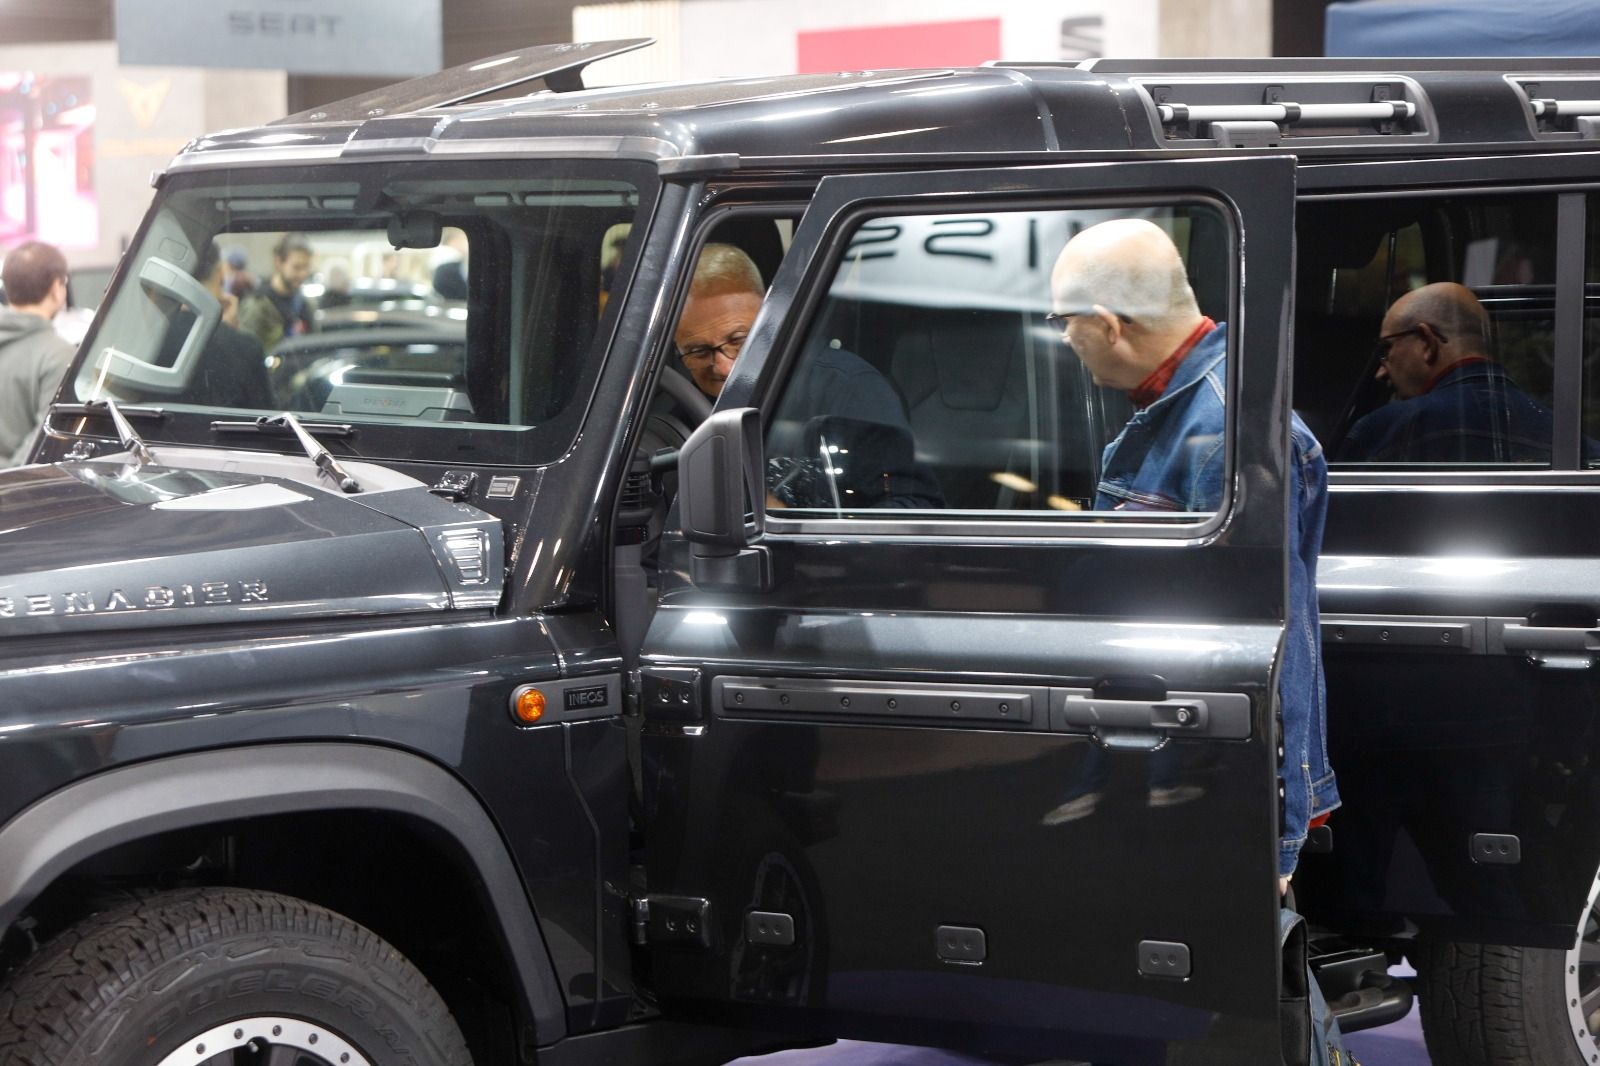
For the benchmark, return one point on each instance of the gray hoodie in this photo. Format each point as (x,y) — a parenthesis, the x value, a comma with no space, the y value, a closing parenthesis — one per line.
(33,360)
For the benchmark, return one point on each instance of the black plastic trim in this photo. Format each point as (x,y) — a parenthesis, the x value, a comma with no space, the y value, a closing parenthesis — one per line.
(1571,240)
(124,805)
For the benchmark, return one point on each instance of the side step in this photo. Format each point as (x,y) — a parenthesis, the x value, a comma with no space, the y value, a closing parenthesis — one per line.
(1358,986)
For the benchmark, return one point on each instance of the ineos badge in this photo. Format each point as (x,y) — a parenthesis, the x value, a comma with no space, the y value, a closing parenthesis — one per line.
(584,699)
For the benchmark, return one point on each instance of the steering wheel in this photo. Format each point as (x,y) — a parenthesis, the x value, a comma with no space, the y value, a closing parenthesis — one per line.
(686,394)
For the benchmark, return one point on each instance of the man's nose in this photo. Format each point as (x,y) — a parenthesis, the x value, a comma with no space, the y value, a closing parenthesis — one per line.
(1383,372)
(725,357)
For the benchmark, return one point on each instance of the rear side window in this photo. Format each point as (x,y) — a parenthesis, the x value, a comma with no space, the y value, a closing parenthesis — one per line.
(936,375)
(1425,330)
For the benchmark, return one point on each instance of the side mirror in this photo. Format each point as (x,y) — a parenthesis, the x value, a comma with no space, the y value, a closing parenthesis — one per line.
(722,501)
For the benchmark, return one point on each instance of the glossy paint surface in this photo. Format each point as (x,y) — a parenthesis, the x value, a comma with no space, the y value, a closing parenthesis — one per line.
(104,545)
(874,833)
(1434,745)
(68,711)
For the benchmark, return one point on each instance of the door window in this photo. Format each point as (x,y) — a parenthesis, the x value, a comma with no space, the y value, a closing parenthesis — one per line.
(1425,329)
(940,372)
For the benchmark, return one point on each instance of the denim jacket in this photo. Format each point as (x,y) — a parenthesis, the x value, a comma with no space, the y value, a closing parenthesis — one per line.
(1169,457)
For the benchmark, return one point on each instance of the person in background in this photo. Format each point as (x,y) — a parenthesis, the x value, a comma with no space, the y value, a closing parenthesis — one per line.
(278,309)
(232,370)
(1452,401)
(450,270)
(236,277)
(335,286)
(33,359)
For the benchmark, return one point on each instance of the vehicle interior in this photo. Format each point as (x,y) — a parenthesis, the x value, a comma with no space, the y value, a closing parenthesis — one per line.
(509,356)
(1355,262)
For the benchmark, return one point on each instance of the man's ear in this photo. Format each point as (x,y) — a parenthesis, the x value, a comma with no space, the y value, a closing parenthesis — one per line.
(1110,321)
(1434,346)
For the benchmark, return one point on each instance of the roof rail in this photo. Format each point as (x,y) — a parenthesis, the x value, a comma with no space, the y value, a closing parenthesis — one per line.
(1560,108)
(1270,111)
(559,66)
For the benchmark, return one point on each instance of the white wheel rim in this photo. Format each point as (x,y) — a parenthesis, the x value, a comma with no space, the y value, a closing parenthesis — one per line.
(317,1041)
(1582,977)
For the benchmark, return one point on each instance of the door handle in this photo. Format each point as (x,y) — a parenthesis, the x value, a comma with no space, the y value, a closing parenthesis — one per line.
(1093,711)
(1553,647)
(1550,638)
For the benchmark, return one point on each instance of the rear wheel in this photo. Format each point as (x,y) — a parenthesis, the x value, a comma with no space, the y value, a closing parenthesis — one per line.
(1491,1005)
(223,977)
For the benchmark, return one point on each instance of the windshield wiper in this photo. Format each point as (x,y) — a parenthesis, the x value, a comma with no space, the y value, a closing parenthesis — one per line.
(321,456)
(127,436)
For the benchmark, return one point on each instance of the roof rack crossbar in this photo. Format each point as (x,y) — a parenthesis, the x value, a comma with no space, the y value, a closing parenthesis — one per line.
(1384,111)
(1564,108)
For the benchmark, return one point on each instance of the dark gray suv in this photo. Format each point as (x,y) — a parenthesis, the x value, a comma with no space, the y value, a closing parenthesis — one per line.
(464,688)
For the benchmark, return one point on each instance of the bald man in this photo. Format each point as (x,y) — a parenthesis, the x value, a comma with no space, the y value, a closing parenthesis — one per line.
(1122,300)
(1121,296)
(1452,401)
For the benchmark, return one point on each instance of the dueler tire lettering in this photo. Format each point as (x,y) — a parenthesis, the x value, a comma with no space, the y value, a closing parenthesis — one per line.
(128,987)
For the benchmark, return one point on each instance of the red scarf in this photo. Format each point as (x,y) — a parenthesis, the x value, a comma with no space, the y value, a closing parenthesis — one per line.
(1150,389)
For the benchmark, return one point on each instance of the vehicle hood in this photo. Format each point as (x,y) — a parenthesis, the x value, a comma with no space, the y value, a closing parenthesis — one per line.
(112,544)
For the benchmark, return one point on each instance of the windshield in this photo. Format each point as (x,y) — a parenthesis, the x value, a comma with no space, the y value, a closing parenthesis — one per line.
(451,313)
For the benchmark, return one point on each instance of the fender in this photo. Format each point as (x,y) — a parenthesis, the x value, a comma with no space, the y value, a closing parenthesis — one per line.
(185,791)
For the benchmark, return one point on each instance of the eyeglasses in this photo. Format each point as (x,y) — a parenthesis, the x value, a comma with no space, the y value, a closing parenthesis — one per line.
(702,355)
(1060,320)
(1385,346)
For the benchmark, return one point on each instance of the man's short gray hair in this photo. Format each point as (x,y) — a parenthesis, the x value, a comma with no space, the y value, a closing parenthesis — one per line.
(725,268)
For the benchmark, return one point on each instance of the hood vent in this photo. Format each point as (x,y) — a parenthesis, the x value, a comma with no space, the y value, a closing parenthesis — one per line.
(468,551)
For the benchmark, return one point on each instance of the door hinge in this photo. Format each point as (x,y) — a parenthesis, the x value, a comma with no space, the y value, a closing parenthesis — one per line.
(633,684)
(672,920)
(641,921)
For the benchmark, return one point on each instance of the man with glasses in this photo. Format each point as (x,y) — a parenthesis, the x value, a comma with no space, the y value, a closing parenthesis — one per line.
(839,438)
(1452,401)
(1121,297)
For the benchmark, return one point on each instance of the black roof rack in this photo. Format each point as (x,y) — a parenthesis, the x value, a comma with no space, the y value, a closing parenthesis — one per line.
(1560,107)
(559,66)
(1255,110)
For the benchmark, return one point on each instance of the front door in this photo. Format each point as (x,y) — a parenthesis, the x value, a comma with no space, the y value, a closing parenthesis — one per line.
(958,759)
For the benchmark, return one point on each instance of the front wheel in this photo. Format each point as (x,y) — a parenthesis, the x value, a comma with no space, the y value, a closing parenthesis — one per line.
(1491,1005)
(223,977)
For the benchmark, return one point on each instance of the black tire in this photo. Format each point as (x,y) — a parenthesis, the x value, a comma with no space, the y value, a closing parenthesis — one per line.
(1491,1005)
(245,973)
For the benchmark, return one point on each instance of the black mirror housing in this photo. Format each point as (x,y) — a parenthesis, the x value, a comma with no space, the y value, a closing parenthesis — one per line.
(722,501)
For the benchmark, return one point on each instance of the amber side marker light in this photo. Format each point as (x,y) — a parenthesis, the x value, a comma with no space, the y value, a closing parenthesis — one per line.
(527,706)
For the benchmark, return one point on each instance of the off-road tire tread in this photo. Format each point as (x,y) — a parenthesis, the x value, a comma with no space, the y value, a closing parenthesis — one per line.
(50,1003)
(1474,1010)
